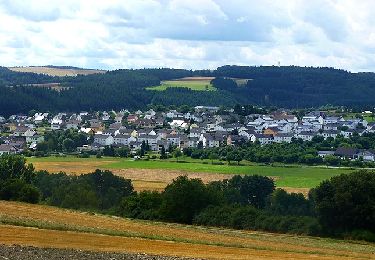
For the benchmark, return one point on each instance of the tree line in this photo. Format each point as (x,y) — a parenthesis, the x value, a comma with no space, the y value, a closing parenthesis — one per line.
(340,207)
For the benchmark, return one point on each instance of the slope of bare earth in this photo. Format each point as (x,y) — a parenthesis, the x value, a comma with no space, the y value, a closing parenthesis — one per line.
(50,227)
(55,71)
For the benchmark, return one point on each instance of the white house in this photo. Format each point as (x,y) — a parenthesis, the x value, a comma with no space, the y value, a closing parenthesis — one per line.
(103,140)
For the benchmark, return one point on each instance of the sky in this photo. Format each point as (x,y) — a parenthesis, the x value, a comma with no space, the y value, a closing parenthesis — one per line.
(191,34)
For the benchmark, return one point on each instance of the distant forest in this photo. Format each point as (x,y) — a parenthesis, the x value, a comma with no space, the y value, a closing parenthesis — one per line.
(289,87)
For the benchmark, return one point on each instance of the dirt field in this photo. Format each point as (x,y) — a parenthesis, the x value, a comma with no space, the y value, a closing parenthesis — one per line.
(55,71)
(43,226)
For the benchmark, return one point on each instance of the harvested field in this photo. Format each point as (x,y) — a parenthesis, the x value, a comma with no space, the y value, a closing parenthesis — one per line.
(71,167)
(55,71)
(23,252)
(43,226)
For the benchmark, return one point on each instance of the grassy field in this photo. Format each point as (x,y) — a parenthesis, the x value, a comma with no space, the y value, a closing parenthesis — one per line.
(160,173)
(367,117)
(193,83)
(55,71)
(44,226)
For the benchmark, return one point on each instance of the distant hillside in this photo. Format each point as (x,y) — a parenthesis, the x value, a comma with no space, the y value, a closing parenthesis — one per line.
(289,87)
(57,70)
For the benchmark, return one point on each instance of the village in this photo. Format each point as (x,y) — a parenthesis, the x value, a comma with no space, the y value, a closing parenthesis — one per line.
(202,127)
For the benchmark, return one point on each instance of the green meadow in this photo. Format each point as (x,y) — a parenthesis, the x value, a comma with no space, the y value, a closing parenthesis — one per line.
(200,85)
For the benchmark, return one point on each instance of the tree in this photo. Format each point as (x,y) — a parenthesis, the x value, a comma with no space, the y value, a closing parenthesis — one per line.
(184,198)
(213,156)
(254,189)
(283,203)
(68,145)
(18,190)
(234,156)
(163,154)
(346,202)
(332,160)
(177,154)
(15,167)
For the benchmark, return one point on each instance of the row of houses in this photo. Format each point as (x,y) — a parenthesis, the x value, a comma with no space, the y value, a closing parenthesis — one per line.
(202,127)
(351,154)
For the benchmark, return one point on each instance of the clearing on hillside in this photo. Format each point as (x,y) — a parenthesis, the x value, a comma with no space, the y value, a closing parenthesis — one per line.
(193,83)
(56,71)
(44,226)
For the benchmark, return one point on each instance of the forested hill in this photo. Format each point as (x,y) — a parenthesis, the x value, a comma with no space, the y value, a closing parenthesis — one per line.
(277,86)
(301,86)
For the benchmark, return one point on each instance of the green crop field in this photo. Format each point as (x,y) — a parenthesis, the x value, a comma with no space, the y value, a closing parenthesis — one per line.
(200,85)
(295,176)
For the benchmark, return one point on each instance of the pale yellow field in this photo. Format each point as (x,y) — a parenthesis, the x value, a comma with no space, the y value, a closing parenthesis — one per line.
(55,71)
(43,226)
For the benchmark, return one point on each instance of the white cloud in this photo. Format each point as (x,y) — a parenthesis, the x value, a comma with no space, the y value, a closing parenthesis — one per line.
(188,34)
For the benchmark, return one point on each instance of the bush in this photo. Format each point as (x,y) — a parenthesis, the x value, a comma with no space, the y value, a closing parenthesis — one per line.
(19,190)
(247,217)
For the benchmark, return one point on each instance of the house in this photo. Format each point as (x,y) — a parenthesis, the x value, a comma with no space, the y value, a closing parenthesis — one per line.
(305,136)
(123,139)
(131,119)
(332,119)
(248,134)
(236,139)
(35,139)
(56,123)
(7,149)
(283,138)
(116,126)
(271,131)
(173,140)
(72,124)
(366,155)
(151,140)
(195,132)
(144,122)
(329,133)
(346,152)
(264,139)
(355,154)
(371,127)
(209,140)
(188,142)
(325,153)
(348,133)
(20,131)
(96,125)
(103,140)
(39,117)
